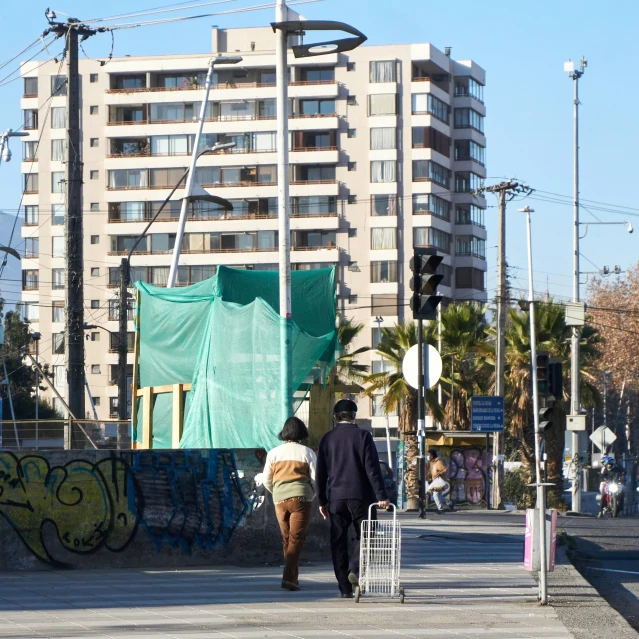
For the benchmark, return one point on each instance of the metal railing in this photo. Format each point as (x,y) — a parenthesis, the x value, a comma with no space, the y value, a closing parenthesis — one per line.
(64,434)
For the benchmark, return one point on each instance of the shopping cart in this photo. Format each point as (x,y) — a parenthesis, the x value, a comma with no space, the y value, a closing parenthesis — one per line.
(380,558)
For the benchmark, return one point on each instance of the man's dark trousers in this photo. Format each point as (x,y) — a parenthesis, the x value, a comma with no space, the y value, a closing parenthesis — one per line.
(342,513)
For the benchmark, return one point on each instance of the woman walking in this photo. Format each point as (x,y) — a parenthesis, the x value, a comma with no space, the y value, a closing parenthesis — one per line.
(289,474)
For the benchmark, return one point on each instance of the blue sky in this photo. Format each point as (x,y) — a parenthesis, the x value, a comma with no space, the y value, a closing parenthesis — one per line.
(522,46)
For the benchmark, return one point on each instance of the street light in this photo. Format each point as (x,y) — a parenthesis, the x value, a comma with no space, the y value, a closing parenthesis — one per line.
(125,264)
(541,488)
(5,151)
(188,189)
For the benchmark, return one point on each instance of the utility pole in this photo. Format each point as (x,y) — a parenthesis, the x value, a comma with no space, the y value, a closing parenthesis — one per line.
(505,191)
(284,211)
(36,338)
(575,403)
(123,345)
(72,30)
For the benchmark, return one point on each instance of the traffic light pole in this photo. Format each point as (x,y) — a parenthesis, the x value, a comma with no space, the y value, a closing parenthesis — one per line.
(421,419)
(541,489)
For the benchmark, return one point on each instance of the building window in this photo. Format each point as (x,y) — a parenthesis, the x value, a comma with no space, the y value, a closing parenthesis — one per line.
(94,109)
(96,401)
(467,277)
(384,305)
(383,171)
(95,369)
(351,100)
(113,407)
(351,66)
(469,119)
(470,246)
(57,182)
(57,214)
(58,343)
(467,181)
(352,166)
(58,150)
(470,214)
(431,237)
(31,245)
(57,278)
(383,205)
(57,312)
(426,103)
(352,133)
(95,336)
(58,85)
(95,271)
(30,119)
(95,239)
(114,341)
(383,71)
(470,150)
(310,205)
(30,279)
(31,214)
(132,178)
(30,88)
(352,199)
(383,272)
(58,118)
(30,151)
(95,304)
(383,138)
(94,175)
(428,204)
(469,87)
(59,376)
(427,137)
(382,104)
(326,74)
(383,238)
(93,77)
(429,171)
(30,311)
(31,183)
(352,299)
(57,246)
(95,142)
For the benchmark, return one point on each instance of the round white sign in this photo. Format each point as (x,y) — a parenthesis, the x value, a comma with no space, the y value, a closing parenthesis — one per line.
(433,369)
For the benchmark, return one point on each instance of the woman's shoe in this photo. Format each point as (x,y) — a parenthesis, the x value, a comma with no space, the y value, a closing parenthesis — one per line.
(288,585)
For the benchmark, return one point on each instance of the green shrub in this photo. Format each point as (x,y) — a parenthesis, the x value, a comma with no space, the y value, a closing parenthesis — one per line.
(516,491)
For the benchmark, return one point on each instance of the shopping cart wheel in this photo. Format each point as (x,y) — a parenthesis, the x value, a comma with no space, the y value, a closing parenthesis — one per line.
(356,592)
(401,595)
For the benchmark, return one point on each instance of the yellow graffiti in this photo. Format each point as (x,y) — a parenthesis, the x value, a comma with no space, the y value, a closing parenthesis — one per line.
(90,505)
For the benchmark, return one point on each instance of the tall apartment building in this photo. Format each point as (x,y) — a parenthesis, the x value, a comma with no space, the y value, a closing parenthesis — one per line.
(387,144)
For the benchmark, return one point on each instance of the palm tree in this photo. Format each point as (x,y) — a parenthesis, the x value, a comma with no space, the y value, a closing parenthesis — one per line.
(346,368)
(398,395)
(466,356)
(553,337)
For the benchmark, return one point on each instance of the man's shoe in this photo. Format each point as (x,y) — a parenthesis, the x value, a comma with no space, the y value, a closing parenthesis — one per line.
(347,595)
(451,507)
(353,579)
(287,585)
(439,511)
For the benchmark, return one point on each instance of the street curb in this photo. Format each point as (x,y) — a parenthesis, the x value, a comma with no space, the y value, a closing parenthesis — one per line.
(584,612)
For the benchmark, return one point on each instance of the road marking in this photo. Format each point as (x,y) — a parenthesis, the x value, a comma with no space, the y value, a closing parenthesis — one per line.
(625,572)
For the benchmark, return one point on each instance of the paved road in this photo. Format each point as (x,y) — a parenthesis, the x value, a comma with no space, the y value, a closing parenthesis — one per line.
(607,555)
(462,574)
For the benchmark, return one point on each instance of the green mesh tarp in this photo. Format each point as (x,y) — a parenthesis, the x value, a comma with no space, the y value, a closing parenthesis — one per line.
(223,336)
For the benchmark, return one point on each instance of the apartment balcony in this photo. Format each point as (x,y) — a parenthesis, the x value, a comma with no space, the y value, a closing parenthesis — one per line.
(224,251)
(315,154)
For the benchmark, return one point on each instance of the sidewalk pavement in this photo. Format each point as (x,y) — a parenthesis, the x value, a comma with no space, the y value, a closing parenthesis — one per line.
(462,573)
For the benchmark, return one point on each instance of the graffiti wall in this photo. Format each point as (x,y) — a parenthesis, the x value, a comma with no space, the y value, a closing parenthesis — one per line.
(134,508)
(467,472)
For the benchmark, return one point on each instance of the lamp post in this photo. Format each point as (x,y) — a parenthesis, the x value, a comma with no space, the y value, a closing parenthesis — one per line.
(188,189)
(379,321)
(5,151)
(36,338)
(541,489)
(125,268)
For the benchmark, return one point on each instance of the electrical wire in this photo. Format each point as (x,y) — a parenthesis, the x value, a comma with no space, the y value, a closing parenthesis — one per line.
(4,64)
(158,10)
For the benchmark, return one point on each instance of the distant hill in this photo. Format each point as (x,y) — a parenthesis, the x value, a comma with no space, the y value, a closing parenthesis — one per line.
(9,283)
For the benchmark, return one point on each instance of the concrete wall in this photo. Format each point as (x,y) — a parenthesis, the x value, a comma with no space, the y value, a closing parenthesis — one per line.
(107,509)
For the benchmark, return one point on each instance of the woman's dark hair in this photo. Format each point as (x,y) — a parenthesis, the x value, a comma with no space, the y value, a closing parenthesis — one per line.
(294,430)
(433,453)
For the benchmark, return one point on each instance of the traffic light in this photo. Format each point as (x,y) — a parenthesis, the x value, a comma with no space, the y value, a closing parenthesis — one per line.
(545,415)
(555,377)
(424,283)
(542,373)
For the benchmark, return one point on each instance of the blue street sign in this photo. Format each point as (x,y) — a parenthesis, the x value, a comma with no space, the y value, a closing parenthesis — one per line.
(487,414)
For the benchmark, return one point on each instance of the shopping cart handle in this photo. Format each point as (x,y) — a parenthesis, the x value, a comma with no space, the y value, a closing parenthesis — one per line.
(390,508)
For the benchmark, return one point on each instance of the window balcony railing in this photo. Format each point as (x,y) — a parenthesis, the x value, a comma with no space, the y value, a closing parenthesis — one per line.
(30,127)
(218,118)
(222,217)
(302,149)
(128,122)
(312,182)
(30,287)
(187,86)
(469,253)
(253,249)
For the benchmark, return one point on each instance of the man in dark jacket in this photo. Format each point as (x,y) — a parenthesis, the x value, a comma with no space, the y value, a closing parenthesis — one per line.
(349,479)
